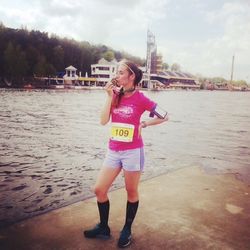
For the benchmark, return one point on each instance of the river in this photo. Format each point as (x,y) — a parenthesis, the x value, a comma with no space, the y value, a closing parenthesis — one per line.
(52,146)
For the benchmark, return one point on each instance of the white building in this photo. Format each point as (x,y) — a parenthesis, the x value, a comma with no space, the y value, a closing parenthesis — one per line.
(104,71)
(70,77)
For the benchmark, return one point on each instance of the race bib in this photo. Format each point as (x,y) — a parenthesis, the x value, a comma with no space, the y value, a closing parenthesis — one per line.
(122,132)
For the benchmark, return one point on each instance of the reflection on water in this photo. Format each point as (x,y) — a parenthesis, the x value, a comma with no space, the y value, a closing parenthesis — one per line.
(52,146)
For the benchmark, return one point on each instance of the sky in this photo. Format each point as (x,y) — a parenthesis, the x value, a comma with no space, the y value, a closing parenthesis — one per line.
(201,36)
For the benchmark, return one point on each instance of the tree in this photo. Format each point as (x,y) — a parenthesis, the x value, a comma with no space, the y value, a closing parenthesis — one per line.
(240,83)
(58,58)
(15,61)
(25,53)
(32,55)
(175,67)
(40,67)
(118,55)
(218,80)
(165,66)
(9,60)
(2,27)
(50,69)
(109,55)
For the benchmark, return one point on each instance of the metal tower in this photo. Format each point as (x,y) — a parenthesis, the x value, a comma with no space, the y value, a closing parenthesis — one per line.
(151,47)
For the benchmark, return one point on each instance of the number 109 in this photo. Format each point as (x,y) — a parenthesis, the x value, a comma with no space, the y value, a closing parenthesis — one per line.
(121,132)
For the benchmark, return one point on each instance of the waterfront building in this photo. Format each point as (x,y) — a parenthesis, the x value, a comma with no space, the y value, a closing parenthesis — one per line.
(154,77)
(159,63)
(70,77)
(104,71)
(175,79)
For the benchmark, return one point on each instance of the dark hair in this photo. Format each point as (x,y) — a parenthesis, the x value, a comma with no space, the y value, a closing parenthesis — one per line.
(132,69)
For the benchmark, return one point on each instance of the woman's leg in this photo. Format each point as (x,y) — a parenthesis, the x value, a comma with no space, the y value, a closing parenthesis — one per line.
(104,181)
(132,179)
(132,182)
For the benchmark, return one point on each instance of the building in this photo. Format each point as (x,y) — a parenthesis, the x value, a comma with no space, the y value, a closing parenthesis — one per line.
(154,59)
(104,71)
(159,63)
(70,74)
(155,77)
(70,77)
(174,79)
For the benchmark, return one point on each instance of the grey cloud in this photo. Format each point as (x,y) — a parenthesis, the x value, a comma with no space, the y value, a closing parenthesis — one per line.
(53,9)
(119,4)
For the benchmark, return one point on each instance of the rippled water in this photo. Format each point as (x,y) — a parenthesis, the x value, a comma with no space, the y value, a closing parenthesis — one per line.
(52,146)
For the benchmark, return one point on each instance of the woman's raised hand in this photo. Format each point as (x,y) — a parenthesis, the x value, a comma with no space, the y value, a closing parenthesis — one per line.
(109,88)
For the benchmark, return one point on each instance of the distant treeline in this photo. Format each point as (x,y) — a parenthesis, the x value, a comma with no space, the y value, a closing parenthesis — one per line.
(25,54)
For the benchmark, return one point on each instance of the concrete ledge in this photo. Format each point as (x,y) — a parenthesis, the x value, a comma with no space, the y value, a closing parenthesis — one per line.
(186,209)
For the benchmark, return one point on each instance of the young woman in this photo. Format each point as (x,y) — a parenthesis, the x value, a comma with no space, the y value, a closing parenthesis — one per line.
(125,150)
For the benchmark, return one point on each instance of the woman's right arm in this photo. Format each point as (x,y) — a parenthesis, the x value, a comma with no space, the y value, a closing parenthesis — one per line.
(105,113)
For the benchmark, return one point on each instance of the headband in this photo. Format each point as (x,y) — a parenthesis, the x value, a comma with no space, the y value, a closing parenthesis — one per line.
(128,67)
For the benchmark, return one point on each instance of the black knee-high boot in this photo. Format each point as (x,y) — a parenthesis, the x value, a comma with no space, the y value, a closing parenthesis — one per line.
(102,229)
(125,236)
(103,208)
(130,213)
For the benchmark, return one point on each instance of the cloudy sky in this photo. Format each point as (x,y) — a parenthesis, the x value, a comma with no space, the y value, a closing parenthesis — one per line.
(200,35)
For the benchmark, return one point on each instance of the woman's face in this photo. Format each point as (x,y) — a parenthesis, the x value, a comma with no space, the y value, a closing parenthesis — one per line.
(124,77)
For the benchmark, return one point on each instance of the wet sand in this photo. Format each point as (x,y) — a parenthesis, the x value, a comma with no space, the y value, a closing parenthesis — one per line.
(185,209)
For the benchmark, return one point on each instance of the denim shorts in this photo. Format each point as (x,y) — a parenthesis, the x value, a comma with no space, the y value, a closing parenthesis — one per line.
(129,160)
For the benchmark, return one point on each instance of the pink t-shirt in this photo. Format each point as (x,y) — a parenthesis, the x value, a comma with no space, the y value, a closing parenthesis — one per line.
(128,113)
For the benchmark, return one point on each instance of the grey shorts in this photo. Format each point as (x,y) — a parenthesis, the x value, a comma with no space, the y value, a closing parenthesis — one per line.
(129,160)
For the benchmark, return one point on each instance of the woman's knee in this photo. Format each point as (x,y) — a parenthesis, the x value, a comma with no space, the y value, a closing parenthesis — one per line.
(99,191)
(132,192)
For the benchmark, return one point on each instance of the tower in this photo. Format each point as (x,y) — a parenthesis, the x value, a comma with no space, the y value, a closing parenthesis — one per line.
(151,55)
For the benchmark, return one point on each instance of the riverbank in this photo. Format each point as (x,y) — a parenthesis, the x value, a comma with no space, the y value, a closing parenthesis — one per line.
(185,209)
(94,87)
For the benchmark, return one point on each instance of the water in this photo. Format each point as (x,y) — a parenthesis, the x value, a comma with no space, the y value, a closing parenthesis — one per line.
(52,146)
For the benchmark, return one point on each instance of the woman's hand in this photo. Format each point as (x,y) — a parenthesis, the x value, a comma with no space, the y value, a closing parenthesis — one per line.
(109,88)
(142,125)
(154,121)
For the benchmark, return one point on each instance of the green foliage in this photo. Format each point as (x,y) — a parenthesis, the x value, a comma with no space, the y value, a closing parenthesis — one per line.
(2,27)
(109,55)
(221,81)
(165,66)
(240,83)
(15,61)
(58,57)
(28,53)
(202,85)
(218,80)
(42,67)
(175,67)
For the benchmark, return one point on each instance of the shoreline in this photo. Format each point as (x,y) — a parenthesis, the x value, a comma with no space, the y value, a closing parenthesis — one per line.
(82,88)
(184,209)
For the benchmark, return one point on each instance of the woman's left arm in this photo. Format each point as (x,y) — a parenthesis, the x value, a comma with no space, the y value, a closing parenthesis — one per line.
(151,122)
(154,121)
